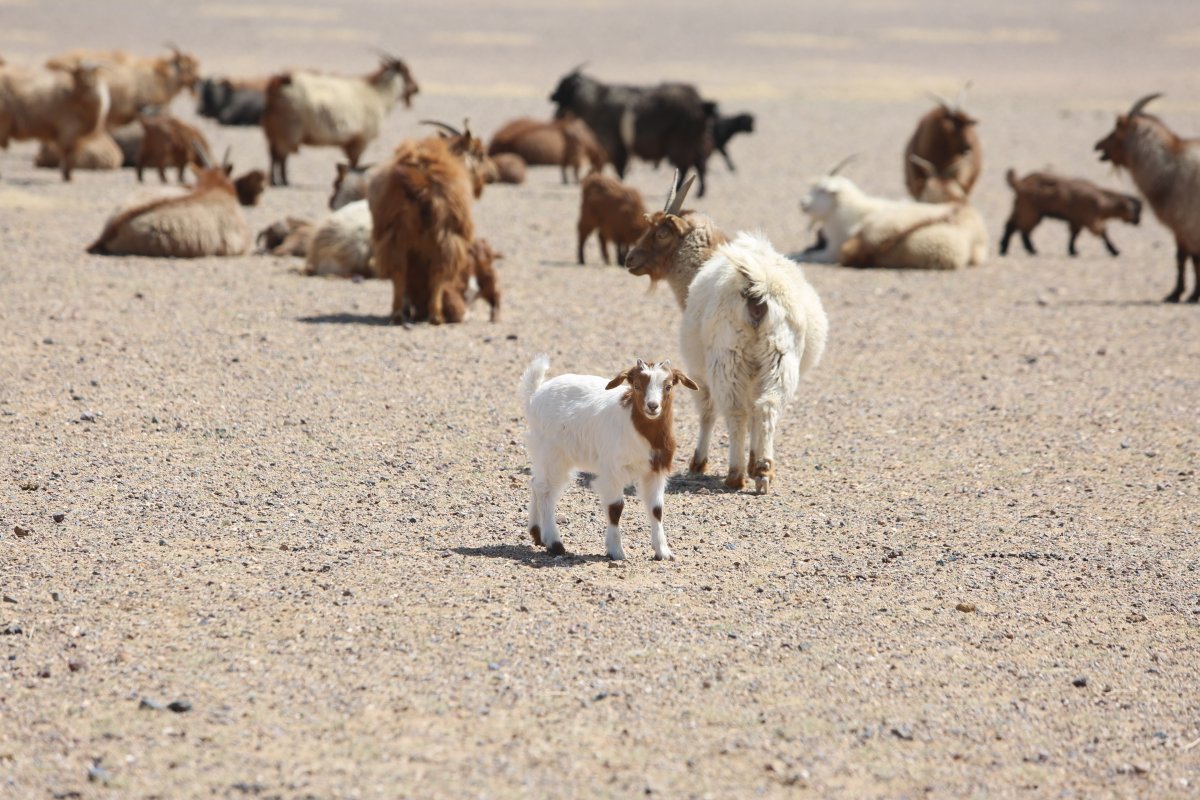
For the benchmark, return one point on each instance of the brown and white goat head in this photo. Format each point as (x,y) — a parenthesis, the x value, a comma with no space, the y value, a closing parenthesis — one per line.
(650,385)
(1113,147)
(469,149)
(653,253)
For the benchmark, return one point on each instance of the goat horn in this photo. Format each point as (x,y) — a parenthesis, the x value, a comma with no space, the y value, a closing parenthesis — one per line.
(225,158)
(942,101)
(174,48)
(202,154)
(962,95)
(448,128)
(578,68)
(671,193)
(923,164)
(467,127)
(1142,103)
(681,196)
(838,167)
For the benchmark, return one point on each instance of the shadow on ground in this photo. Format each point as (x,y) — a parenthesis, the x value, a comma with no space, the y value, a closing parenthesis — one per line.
(526,554)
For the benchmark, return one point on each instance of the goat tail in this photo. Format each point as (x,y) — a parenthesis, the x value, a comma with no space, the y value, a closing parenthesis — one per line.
(1011,177)
(532,378)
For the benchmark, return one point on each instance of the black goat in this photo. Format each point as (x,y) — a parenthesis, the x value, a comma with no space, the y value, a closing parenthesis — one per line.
(668,121)
(723,129)
(231,102)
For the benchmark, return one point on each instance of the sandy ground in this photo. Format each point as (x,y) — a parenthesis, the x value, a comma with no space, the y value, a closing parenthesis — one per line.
(310,525)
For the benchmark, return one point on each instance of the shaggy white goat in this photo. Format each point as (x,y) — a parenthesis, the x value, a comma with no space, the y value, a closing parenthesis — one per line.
(860,230)
(341,244)
(751,328)
(620,434)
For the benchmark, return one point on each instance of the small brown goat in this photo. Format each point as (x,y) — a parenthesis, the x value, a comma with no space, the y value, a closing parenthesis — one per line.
(615,211)
(250,187)
(479,281)
(52,106)
(947,145)
(1079,203)
(168,142)
(135,82)
(287,237)
(506,168)
(562,142)
(421,224)
(1166,169)
(206,221)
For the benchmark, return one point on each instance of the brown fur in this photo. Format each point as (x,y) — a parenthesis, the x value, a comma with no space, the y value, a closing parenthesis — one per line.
(421,223)
(168,142)
(673,248)
(950,143)
(288,237)
(506,168)
(612,209)
(96,151)
(658,432)
(52,107)
(250,187)
(135,82)
(565,142)
(1079,203)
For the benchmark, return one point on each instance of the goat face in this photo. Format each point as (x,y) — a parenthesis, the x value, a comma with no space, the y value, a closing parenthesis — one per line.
(654,251)
(186,68)
(567,94)
(822,199)
(1112,147)
(650,386)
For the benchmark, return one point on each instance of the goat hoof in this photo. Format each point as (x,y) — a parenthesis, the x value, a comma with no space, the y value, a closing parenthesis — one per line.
(698,465)
(1195,298)
(556,549)
(617,556)
(666,555)
(1173,297)
(735,480)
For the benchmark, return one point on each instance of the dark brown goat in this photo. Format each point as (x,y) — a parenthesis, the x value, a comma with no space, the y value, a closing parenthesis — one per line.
(250,187)
(1079,203)
(564,143)
(168,142)
(947,142)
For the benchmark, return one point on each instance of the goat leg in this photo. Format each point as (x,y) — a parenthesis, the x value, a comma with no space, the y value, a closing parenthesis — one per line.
(654,485)
(1010,228)
(1194,297)
(1071,251)
(1112,248)
(1181,257)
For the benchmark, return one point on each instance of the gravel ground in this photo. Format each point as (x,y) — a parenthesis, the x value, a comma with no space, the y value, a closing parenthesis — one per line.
(228,484)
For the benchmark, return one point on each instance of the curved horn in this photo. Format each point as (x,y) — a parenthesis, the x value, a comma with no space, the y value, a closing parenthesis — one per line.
(838,167)
(202,154)
(923,165)
(578,68)
(677,205)
(962,95)
(467,127)
(1142,103)
(448,128)
(671,193)
(225,158)
(174,48)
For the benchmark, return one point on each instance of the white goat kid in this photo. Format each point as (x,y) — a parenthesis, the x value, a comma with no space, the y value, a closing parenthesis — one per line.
(622,435)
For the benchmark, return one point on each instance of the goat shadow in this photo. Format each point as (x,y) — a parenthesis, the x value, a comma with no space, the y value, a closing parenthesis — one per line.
(346,318)
(1105,303)
(529,555)
(680,483)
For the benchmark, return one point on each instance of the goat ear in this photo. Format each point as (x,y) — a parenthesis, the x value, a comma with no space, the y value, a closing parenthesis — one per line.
(684,379)
(617,381)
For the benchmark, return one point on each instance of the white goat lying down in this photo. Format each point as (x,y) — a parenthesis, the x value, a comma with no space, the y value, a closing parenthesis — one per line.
(864,231)
(619,429)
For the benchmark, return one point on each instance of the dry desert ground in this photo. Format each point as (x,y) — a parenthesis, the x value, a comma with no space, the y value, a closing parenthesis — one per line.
(310,525)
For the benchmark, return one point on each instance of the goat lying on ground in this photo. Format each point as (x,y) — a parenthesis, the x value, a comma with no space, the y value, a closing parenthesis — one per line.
(287,237)
(1166,169)
(619,429)
(1079,203)
(946,141)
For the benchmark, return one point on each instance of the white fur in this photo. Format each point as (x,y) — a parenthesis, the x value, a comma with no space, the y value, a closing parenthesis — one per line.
(341,244)
(749,374)
(946,235)
(332,110)
(575,423)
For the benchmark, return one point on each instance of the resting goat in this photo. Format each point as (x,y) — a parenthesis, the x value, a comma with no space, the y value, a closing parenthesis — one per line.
(1079,203)
(563,142)
(752,326)
(314,109)
(946,141)
(232,102)
(619,429)
(61,108)
(421,222)
(204,222)
(133,81)
(96,151)
(287,237)
(341,244)
(668,121)
(1166,169)
(615,211)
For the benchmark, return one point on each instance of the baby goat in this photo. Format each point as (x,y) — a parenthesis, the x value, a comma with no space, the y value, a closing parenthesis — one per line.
(614,210)
(620,434)
(1079,203)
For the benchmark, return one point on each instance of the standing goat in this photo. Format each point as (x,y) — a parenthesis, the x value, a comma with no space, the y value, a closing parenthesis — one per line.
(615,211)
(314,109)
(53,106)
(668,121)
(619,429)
(947,148)
(421,223)
(1079,203)
(721,130)
(133,81)
(1166,169)
(752,327)
(204,222)
(168,142)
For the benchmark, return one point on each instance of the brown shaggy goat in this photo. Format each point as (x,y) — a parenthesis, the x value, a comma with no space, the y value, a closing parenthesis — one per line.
(1079,203)
(168,142)
(250,187)
(948,146)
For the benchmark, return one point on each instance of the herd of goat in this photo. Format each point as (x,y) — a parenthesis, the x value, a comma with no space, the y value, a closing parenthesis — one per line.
(752,325)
